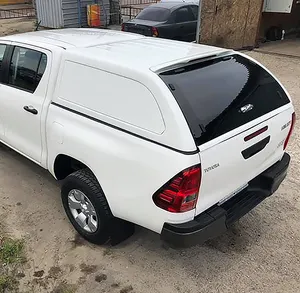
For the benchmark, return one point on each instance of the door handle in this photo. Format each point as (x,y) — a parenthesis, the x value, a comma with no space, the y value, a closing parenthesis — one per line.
(31,110)
(256,148)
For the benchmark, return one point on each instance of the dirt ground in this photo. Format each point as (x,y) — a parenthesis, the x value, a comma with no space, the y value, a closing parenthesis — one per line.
(259,254)
(15,26)
(290,47)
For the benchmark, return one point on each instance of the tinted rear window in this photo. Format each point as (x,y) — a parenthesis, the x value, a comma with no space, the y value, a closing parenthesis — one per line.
(213,94)
(154,14)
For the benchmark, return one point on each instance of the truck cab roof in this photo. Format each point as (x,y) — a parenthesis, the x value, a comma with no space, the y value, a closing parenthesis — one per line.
(116,47)
(71,38)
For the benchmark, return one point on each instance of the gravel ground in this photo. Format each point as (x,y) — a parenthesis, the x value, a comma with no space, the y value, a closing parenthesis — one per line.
(260,253)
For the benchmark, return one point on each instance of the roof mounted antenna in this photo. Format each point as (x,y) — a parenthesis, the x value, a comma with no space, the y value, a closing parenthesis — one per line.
(37,25)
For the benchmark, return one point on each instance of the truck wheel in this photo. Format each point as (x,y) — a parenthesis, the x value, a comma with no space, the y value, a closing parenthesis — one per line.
(86,206)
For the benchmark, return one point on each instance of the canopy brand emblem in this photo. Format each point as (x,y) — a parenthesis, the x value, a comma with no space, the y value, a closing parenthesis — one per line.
(246,108)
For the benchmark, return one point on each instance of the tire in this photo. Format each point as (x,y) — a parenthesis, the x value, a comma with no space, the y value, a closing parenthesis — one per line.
(274,33)
(85,182)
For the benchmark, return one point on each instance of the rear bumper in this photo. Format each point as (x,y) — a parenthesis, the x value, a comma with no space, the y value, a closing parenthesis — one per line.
(216,220)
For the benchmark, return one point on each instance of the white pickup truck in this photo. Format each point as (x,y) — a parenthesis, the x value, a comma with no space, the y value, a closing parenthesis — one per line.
(182,139)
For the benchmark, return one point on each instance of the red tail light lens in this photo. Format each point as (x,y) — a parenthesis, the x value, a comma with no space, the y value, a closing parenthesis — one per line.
(123,27)
(180,194)
(154,32)
(290,131)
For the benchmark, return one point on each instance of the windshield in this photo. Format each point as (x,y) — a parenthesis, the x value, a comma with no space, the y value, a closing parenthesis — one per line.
(213,94)
(154,14)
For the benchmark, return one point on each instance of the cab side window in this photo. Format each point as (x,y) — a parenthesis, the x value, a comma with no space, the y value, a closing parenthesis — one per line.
(26,69)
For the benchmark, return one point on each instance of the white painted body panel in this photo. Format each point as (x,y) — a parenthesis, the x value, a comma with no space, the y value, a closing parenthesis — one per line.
(234,171)
(102,103)
(23,130)
(129,169)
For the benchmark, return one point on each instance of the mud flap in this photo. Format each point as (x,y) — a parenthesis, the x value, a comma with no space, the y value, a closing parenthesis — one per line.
(120,230)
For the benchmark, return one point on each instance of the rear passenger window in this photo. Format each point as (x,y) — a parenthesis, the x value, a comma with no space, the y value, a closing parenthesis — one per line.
(26,68)
(2,51)
(41,68)
(183,15)
(154,14)
(195,10)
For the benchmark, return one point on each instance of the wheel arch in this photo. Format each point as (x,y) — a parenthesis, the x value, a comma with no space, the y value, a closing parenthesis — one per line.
(65,165)
(119,229)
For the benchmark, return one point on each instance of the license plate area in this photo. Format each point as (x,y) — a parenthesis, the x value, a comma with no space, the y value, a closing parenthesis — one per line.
(270,180)
(232,194)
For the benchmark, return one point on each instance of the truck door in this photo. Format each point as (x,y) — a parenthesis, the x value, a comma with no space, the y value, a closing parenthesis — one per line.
(3,49)
(22,94)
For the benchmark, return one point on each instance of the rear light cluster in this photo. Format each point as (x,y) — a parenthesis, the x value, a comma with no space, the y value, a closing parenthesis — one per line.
(123,27)
(154,31)
(180,194)
(290,131)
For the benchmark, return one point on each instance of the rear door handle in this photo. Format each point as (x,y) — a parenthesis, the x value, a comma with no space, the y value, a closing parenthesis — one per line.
(31,110)
(256,148)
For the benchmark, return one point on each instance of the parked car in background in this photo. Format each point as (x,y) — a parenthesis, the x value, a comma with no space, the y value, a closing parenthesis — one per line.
(169,20)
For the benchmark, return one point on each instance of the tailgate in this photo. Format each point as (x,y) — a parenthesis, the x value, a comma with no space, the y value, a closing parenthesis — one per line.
(228,165)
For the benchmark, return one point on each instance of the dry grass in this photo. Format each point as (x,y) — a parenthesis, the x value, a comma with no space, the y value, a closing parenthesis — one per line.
(11,257)
(11,251)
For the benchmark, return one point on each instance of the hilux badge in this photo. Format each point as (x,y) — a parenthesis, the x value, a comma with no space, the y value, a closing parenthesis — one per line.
(246,108)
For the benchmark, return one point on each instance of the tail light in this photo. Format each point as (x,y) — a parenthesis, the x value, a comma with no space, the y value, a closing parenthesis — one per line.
(180,194)
(123,27)
(290,131)
(154,31)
